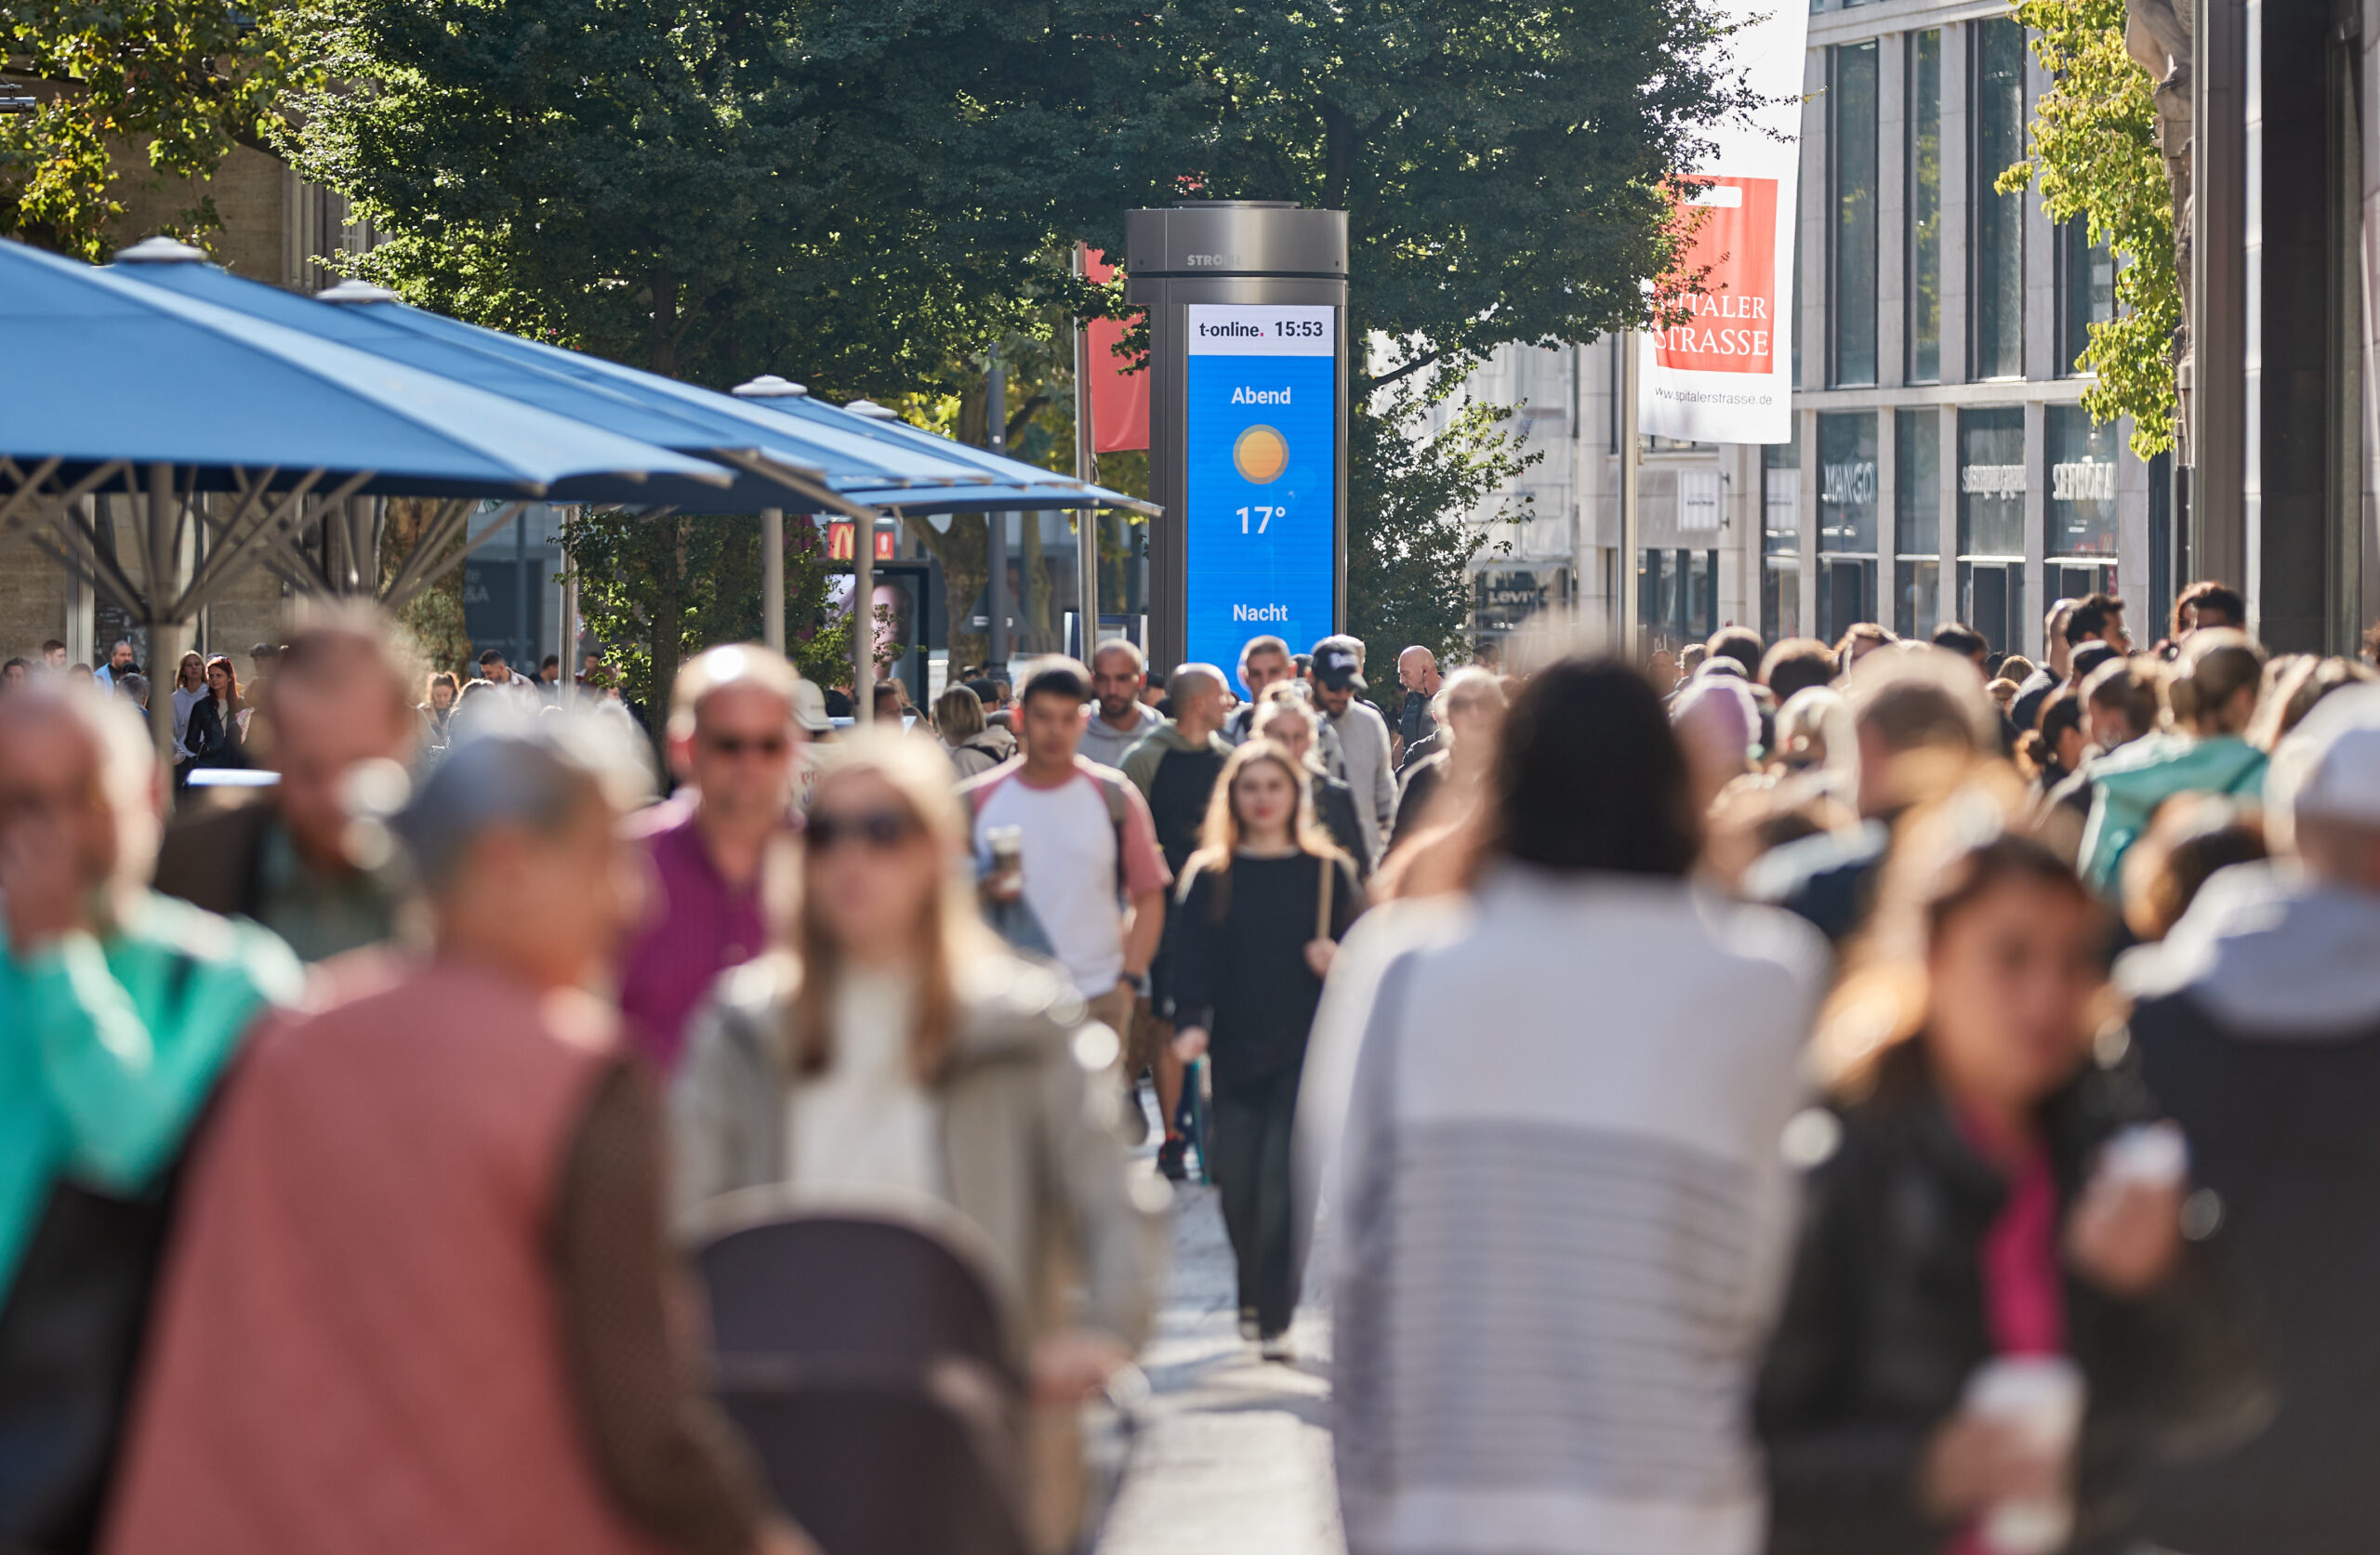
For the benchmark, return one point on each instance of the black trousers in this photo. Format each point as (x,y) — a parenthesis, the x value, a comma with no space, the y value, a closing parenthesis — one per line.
(1251,1166)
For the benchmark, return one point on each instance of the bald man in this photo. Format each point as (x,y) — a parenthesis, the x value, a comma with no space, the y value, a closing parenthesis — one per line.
(122,1009)
(1176,767)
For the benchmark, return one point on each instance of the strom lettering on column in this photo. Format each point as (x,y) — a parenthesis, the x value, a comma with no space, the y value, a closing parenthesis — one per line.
(1261,466)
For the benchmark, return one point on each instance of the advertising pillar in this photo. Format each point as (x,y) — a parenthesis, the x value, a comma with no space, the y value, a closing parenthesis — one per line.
(1248,424)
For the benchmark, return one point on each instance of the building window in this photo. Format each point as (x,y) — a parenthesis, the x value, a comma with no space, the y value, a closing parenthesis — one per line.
(1677,599)
(1925,200)
(1851,190)
(2086,291)
(1781,540)
(2079,511)
(1997,248)
(1917,522)
(1992,524)
(1847,521)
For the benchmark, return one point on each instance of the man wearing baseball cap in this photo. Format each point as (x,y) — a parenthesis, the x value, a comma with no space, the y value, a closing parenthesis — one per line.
(2259,1027)
(1338,675)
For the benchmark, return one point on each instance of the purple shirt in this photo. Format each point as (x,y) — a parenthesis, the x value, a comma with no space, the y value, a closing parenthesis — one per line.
(700,926)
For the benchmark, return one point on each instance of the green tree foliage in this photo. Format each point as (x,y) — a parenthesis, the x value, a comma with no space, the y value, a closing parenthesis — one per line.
(1408,578)
(176,84)
(2094,155)
(1503,164)
(865,195)
(858,195)
(656,589)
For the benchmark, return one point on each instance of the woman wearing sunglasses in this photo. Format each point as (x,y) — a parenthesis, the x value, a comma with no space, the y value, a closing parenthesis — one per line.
(892,1045)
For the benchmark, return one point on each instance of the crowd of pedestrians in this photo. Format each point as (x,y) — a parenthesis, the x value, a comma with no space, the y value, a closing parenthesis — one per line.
(1879,1097)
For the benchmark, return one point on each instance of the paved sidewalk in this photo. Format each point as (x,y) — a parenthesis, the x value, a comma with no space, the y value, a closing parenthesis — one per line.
(1234,1453)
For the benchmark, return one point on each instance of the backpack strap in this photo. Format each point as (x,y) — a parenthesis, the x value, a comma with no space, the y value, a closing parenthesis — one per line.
(1119,811)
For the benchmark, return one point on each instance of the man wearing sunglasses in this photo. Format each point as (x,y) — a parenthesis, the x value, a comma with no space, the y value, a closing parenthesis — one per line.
(735,739)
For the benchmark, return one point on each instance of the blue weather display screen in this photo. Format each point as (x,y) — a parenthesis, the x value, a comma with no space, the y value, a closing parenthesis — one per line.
(1263,439)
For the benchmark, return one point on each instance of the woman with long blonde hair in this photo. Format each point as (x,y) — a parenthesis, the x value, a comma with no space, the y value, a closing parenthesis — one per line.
(891,1045)
(1262,905)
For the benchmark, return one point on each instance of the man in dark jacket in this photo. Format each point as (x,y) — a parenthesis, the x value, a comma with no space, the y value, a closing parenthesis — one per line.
(1921,724)
(2259,1027)
(1175,766)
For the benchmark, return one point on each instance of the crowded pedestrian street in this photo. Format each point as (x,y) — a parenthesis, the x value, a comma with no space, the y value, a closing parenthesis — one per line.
(1397,780)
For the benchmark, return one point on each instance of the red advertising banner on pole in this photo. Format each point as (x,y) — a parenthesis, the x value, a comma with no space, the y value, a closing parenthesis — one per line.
(1724,372)
(1119,399)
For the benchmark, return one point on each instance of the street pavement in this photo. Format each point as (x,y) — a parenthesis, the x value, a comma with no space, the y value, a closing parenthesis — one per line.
(1233,1454)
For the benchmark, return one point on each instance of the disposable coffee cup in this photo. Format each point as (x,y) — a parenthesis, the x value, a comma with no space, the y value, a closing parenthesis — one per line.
(2150,1155)
(2041,1397)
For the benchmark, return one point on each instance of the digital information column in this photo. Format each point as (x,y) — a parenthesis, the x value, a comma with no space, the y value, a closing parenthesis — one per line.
(1260,463)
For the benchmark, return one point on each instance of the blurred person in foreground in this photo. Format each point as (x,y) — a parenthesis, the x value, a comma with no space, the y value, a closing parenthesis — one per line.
(2211,692)
(2257,1023)
(341,709)
(892,1045)
(734,746)
(1974,1215)
(119,1009)
(418,1298)
(1470,706)
(1260,910)
(1561,1219)
(1919,722)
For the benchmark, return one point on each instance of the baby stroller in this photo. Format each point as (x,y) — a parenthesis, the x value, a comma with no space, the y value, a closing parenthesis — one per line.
(858,1344)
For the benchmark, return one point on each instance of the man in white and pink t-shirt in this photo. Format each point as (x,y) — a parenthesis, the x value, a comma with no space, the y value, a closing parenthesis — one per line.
(1092,874)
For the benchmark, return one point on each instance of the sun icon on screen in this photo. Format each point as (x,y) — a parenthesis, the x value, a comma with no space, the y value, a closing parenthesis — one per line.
(1261,455)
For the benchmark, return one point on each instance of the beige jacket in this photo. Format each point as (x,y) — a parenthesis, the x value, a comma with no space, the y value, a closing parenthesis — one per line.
(1030,1144)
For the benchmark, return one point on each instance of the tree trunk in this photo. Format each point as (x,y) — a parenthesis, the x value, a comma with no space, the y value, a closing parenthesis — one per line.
(965,554)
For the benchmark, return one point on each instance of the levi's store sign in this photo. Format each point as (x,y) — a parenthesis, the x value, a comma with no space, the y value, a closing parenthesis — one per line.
(1732,325)
(1725,373)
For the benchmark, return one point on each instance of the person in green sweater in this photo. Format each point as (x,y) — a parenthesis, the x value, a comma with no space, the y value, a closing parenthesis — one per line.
(2211,694)
(119,1008)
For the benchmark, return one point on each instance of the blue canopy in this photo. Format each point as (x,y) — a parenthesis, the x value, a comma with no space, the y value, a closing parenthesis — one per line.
(781,461)
(113,372)
(1020,485)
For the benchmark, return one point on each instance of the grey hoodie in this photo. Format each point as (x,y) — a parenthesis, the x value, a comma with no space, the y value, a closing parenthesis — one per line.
(2269,952)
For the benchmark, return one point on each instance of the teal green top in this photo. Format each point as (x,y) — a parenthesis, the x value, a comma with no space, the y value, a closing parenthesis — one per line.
(109,1046)
(2130,782)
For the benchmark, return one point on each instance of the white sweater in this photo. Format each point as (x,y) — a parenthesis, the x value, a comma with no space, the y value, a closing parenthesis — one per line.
(1563,1220)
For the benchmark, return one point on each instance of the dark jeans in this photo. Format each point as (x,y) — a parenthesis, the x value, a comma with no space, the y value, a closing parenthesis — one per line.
(1252,1169)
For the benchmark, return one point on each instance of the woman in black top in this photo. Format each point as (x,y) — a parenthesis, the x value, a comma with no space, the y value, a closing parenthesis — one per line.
(1261,907)
(213,735)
